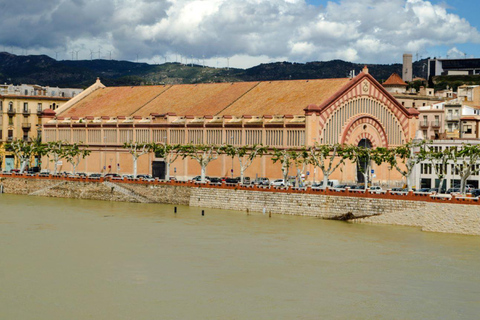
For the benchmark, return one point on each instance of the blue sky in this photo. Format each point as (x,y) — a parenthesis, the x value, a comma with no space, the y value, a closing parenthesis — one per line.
(241,33)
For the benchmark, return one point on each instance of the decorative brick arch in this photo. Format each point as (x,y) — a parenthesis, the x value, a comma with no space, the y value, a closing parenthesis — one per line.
(365,86)
(365,120)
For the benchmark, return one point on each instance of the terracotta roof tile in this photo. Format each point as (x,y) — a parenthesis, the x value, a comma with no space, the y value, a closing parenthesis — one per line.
(234,99)
(394,80)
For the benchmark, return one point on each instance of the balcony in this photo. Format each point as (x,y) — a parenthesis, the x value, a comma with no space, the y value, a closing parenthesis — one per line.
(39,112)
(435,124)
(424,124)
(10,139)
(453,117)
(11,111)
(26,112)
(26,126)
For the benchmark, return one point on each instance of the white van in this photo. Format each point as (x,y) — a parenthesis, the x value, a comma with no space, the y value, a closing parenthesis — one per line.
(331,184)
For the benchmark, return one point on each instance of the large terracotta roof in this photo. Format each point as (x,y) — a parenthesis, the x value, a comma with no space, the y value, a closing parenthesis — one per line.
(394,80)
(236,99)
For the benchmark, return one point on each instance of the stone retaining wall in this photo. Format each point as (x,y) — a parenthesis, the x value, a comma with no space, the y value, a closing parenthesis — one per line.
(430,216)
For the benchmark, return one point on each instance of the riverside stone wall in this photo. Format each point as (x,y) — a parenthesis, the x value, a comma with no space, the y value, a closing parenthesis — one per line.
(96,190)
(429,216)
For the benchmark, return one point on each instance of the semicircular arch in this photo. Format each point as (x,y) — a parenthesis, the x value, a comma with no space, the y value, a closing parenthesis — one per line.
(340,119)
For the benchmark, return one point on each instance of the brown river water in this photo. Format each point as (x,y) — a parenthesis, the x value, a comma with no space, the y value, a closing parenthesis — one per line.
(80,259)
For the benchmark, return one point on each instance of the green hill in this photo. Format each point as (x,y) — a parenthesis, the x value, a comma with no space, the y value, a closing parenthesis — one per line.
(43,70)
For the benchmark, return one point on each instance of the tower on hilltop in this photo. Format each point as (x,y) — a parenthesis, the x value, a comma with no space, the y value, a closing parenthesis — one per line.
(407,73)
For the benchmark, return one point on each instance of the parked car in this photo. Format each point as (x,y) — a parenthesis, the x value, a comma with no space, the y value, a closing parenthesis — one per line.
(232,180)
(127,176)
(424,190)
(145,177)
(112,175)
(376,189)
(453,190)
(198,178)
(33,170)
(95,176)
(215,180)
(262,181)
(331,184)
(15,171)
(475,192)
(278,183)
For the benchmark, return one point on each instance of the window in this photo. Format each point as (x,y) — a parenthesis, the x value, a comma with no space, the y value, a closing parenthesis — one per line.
(10,106)
(10,121)
(1,105)
(467,129)
(10,135)
(39,107)
(25,107)
(26,92)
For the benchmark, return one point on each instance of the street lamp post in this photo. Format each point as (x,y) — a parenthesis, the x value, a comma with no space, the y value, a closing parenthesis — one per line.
(231,138)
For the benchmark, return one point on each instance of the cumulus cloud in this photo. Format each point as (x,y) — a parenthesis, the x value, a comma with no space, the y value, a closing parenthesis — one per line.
(258,30)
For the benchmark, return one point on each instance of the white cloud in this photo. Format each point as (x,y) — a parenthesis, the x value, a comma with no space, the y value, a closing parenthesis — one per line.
(249,31)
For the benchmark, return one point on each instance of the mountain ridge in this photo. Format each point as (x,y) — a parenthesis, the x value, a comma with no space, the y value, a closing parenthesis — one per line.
(46,71)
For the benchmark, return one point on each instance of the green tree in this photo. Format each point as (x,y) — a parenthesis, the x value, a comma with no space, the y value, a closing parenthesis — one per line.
(244,154)
(74,154)
(324,157)
(202,153)
(438,160)
(404,159)
(55,149)
(137,150)
(169,153)
(363,157)
(23,150)
(465,162)
(286,158)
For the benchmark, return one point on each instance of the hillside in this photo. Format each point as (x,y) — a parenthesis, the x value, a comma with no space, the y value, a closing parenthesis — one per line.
(43,70)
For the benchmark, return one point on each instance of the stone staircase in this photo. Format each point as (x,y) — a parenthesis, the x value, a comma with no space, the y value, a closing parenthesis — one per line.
(115,187)
(41,191)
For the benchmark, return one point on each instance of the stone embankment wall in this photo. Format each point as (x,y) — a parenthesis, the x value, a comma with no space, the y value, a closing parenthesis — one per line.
(97,190)
(436,216)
